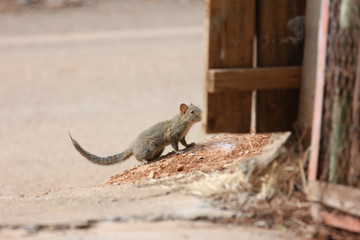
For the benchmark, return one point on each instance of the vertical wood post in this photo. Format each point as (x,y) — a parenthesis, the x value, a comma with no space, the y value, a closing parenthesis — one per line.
(278,45)
(319,89)
(354,161)
(307,88)
(231,27)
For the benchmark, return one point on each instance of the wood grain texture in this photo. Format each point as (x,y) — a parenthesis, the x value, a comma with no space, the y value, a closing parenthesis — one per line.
(309,68)
(340,197)
(353,176)
(316,166)
(247,79)
(231,27)
(279,44)
(340,220)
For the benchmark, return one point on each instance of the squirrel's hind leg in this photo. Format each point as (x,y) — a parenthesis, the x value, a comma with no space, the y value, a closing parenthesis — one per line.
(158,154)
(147,155)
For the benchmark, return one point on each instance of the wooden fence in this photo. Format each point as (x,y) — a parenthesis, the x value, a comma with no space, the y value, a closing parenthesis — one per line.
(253,45)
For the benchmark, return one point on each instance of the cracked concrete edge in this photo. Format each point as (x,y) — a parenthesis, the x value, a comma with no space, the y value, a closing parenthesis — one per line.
(151,204)
(155,230)
(93,222)
(90,223)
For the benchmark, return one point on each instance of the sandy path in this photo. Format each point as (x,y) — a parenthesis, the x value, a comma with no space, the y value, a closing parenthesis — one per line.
(103,73)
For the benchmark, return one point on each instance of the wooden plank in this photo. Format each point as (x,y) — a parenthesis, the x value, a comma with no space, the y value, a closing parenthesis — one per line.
(309,68)
(246,79)
(340,220)
(278,107)
(334,218)
(340,197)
(353,175)
(278,45)
(234,108)
(319,90)
(231,27)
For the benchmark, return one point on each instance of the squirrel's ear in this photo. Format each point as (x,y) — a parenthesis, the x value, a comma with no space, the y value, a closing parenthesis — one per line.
(183,108)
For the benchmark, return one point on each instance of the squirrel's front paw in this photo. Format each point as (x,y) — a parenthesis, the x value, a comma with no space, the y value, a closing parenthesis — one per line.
(191,145)
(179,152)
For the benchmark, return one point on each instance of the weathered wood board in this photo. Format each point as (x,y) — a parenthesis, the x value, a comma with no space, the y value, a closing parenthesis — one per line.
(233,55)
(231,27)
(280,43)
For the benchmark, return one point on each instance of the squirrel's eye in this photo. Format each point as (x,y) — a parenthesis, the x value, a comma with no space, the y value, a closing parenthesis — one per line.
(192,111)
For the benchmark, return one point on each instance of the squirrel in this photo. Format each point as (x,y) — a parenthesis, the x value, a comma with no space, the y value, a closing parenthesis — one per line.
(150,144)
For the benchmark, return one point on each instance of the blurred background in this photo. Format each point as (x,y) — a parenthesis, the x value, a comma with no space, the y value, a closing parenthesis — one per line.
(103,70)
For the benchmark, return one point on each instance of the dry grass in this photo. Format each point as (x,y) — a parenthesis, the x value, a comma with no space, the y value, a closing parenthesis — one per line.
(219,183)
(273,195)
(284,175)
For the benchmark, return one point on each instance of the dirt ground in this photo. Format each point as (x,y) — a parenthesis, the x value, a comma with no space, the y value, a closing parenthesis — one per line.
(214,153)
(104,71)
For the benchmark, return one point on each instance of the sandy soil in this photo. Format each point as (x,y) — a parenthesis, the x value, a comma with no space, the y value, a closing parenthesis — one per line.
(214,153)
(102,72)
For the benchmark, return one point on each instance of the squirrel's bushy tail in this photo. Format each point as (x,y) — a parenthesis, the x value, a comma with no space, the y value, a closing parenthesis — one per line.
(117,158)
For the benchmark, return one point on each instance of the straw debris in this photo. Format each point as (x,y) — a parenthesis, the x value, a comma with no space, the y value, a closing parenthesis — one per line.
(273,193)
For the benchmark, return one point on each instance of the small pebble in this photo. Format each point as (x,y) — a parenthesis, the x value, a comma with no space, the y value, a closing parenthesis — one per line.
(151,174)
(180,168)
(261,223)
(205,169)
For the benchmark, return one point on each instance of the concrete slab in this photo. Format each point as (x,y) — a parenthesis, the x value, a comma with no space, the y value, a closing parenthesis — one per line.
(174,230)
(80,207)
